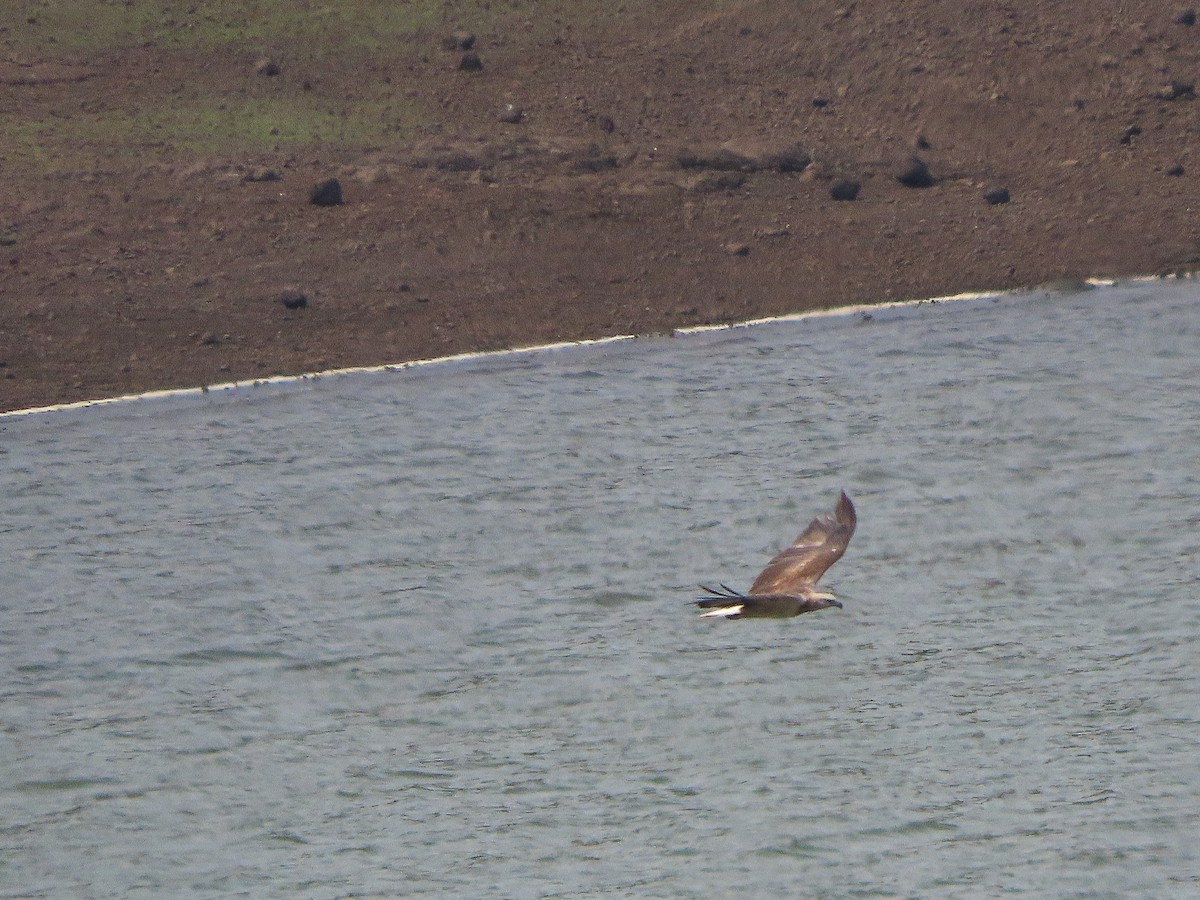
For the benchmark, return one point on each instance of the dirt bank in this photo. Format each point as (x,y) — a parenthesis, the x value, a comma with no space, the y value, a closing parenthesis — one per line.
(581,174)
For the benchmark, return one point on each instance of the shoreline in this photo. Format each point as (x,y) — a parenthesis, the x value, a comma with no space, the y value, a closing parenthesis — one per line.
(837,312)
(562,178)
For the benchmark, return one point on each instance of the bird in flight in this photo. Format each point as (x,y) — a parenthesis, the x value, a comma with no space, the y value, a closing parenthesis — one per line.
(788,585)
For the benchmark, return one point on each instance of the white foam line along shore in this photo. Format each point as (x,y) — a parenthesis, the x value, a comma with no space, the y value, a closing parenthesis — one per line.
(562,345)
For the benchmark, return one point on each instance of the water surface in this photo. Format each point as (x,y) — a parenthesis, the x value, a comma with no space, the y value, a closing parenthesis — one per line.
(428,631)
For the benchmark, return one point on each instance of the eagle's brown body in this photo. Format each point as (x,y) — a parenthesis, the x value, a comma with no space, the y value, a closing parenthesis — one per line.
(788,585)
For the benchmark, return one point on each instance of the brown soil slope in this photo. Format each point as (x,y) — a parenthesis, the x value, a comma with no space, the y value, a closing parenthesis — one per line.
(597,172)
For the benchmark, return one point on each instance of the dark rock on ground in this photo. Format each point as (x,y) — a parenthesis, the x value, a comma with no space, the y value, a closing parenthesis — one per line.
(1177,90)
(593,159)
(845,189)
(457,161)
(782,159)
(1187,17)
(293,299)
(1175,171)
(697,158)
(326,193)
(747,157)
(914,173)
(736,248)
(470,62)
(711,182)
(1130,133)
(266,67)
(995,196)
(262,173)
(511,115)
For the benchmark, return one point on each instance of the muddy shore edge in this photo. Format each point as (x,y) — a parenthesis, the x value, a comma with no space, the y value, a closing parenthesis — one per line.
(510,182)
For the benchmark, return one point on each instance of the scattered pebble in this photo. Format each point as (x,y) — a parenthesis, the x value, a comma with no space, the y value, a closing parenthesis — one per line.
(293,299)
(736,248)
(470,62)
(845,189)
(1175,171)
(593,158)
(511,115)
(267,67)
(1177,90)
(262,173)
(712,182)
(1187,17)
(326,193)
(1130,133)
(914,173)
(457,161)
(737,156)
(995,196)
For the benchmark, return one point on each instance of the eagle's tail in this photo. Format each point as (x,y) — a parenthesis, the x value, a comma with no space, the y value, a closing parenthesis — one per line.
(725,603)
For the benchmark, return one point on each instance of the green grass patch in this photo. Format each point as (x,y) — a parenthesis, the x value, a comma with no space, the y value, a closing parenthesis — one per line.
(208,102)
(78,28)
(226,128)
(84,27)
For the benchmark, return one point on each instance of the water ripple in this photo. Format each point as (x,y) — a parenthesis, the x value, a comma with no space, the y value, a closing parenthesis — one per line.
(430,632)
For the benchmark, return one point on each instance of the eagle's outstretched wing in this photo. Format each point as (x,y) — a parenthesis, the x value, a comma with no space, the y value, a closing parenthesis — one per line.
(817,548)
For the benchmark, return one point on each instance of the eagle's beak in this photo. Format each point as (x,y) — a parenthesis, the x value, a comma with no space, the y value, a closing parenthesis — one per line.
(837,603)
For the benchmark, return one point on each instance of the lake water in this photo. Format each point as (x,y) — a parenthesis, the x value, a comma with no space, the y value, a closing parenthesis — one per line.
(429,632)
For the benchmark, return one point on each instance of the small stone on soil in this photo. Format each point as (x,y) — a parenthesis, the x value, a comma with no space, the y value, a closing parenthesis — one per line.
(593,158)
(293,300)
(711,182)
(736,156)
(326,193)
(995,196)
(511,115)
(470,62)
(914,174)
(262,173)
(845,189)
(1177,90)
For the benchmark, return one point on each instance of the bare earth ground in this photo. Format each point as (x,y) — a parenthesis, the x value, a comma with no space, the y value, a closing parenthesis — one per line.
(652,172)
